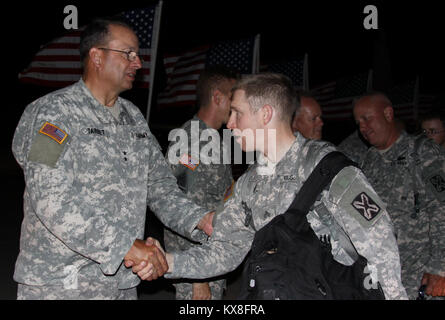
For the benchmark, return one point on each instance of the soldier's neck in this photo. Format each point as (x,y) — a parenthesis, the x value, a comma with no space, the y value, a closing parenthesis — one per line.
(276,149)
(102,94)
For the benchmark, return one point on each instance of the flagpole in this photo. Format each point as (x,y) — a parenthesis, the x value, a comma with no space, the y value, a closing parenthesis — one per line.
(416,99)
(256,55)
(154,50)
(370,80)
(306,73)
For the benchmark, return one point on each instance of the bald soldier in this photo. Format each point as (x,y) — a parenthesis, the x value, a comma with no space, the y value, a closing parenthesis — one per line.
(409,175)
(262,107)
(307,119)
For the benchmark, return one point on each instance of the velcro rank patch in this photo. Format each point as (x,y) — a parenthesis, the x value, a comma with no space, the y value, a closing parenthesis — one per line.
(188,161)
(53,132)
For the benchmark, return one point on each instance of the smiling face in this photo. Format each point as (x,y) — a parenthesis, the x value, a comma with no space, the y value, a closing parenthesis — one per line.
(308,120)
(375,119)
(118,73)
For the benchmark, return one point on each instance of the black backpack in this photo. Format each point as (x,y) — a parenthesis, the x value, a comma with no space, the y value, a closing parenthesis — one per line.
(288,262)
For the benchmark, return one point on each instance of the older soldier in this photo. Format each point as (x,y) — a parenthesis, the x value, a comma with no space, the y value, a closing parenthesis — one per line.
(266,102)
(205,184)
(307,118)
(408,174)
(91,166)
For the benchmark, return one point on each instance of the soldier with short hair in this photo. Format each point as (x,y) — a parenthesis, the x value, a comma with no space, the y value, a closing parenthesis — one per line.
(204,183)
(91,167)
(409,175)
(262,107)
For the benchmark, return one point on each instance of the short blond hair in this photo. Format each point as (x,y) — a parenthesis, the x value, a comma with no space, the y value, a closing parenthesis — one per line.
(271,89)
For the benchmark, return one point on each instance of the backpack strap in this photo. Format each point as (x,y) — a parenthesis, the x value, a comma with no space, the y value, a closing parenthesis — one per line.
(319,179)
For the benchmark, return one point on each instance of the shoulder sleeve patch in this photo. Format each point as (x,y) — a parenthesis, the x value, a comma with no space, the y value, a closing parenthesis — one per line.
(353,193)
(188,161)
(436,183)
(48,145)
(365,206)
(53,132)
(229,191)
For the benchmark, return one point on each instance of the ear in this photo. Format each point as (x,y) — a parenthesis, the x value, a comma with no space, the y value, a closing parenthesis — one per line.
(95,57)
(216,96)
(267,114)
(388,112)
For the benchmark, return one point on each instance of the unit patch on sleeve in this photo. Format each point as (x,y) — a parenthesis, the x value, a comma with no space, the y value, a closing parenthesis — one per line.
(188,161)
(438,183)
(364,205)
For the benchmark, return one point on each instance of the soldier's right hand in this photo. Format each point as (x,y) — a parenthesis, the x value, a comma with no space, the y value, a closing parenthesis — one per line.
(149,258)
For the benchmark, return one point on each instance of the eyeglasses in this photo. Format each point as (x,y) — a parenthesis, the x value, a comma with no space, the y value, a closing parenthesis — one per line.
(131,55)
(431,131)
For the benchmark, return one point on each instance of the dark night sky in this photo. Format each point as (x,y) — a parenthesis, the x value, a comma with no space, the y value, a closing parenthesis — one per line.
(331,32)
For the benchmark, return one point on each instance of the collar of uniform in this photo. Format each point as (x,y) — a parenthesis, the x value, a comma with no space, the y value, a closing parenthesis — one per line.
(97,107)
(202,124)
(288,156)
(394,150)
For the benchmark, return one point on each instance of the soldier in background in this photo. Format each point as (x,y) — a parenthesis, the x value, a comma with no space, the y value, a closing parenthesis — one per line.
(354,146)
(409,175)
(265,104)
(307,118)
(91,167)
(205,184)
(433,126)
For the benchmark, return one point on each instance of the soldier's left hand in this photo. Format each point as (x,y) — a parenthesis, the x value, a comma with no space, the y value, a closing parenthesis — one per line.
(435,284)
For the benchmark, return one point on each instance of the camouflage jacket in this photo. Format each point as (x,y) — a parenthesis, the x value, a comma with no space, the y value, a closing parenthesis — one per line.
(205,184)
(349,200)
(89,179)
(393,172)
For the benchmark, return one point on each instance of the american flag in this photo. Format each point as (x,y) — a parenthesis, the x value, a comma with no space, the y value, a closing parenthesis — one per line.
(295,69)
(57,64)
(183,70)
(408,102)
(336,98)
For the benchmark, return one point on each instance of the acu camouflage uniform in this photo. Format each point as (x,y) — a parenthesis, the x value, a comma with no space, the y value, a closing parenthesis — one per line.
(206,185)
(420,235)
(353,147)
(349,202)
(89,179)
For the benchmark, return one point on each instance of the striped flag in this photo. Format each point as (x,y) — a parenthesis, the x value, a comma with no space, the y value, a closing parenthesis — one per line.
(295,69)
(183,70)
(408,102)
(336,98)
(57,64)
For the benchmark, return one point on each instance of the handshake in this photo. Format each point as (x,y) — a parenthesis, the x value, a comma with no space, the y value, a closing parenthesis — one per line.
(148,260)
